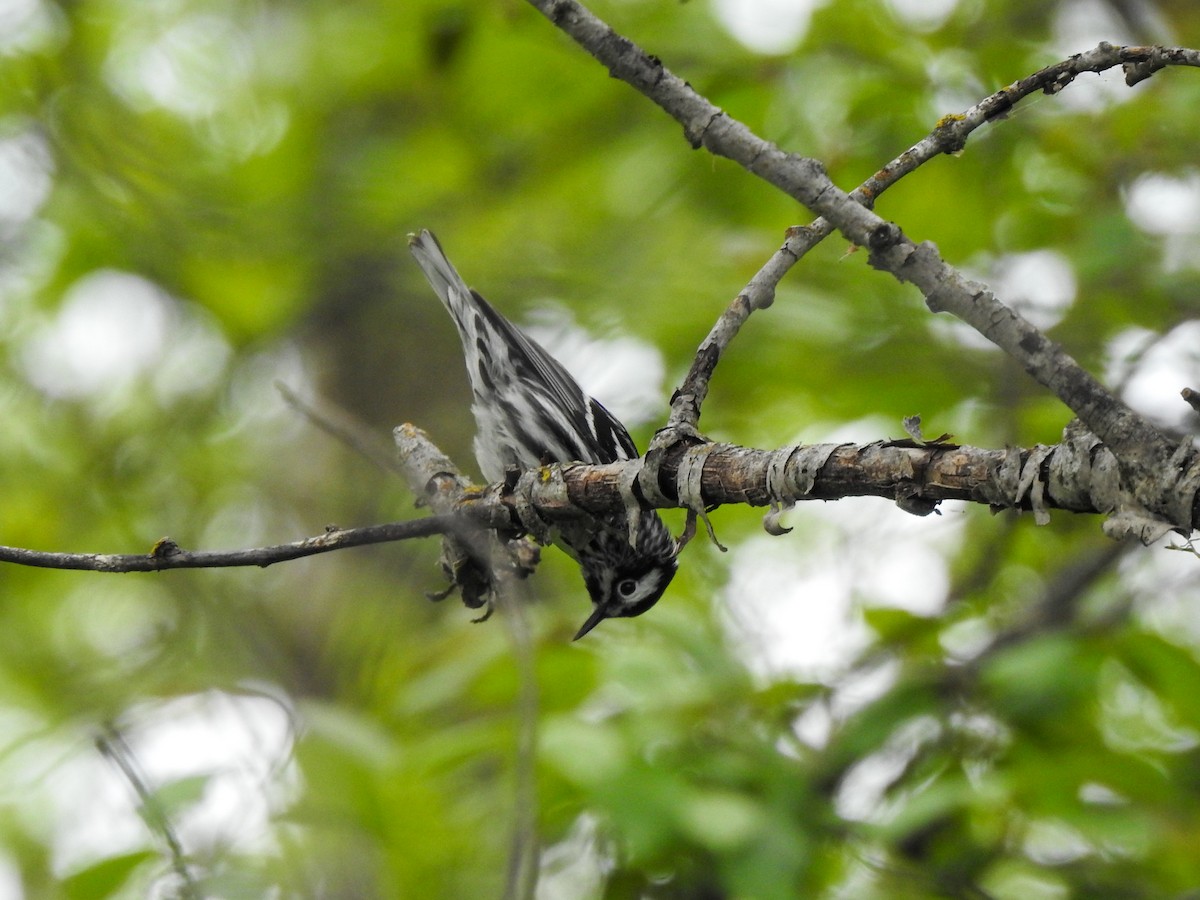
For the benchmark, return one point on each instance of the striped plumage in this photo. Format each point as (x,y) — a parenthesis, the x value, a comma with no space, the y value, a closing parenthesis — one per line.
(529,411)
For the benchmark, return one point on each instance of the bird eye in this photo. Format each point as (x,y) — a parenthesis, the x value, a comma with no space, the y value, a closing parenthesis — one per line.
(626,587)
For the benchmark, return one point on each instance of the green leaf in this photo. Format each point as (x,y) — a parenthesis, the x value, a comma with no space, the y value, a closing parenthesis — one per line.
(106,877)
(175,797)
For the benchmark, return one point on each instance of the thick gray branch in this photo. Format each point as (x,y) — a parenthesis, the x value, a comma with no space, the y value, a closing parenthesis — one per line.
(1079,475)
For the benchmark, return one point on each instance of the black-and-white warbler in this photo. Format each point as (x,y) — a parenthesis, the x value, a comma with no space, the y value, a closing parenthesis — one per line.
(529,412)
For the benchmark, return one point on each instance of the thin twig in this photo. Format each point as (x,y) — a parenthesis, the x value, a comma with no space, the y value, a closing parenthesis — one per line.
(345,428)
(166,554)
(112,745)
(522,875)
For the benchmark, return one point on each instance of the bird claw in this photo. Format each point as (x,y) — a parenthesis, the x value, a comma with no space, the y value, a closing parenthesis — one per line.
(633,506)
(689,482)
(531,520)
(776,482)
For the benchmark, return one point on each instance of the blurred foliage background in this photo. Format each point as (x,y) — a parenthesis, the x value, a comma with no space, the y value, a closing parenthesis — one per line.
(201,198)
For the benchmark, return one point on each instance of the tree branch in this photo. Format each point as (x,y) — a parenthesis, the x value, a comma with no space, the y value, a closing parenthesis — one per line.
(949,136)
(1080,475)
(112,745)
(1158,472)
(345,428)
(166,554)
(475,564)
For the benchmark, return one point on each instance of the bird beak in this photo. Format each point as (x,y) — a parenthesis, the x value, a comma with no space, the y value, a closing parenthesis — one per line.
(593,620)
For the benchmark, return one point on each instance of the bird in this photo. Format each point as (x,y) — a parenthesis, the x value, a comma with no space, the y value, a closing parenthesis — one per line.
(529,411)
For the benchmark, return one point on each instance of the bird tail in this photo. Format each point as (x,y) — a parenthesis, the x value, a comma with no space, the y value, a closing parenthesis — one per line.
(446,282)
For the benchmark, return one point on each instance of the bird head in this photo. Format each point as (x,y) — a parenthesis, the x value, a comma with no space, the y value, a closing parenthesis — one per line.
(623,581)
